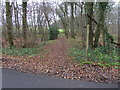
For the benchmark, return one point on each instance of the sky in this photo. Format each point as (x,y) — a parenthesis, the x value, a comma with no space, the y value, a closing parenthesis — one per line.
(20,1)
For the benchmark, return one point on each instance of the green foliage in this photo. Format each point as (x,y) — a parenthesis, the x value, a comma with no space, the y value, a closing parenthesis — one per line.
(103,5)
(61,30)
(53,32)
(87,62)
(100,64)
(106,6)
(99,55)
(21,51)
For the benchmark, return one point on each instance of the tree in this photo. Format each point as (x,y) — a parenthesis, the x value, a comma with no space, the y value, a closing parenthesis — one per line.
(66,20)
(4,31)
(15,5)
(119,25)
(89,11)
(102,7)
(72,21)
(9,23)
(24,22)
(81,24)
(53,32)
(62,12)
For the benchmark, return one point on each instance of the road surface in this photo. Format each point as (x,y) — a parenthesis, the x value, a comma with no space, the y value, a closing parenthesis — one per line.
(16,79)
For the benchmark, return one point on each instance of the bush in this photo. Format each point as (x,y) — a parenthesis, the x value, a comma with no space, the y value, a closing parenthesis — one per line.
(53,32)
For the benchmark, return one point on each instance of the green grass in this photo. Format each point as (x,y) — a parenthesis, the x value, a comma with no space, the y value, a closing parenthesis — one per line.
(97,55)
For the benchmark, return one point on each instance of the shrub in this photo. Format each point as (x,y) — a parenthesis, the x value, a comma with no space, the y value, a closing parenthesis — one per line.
(53,32)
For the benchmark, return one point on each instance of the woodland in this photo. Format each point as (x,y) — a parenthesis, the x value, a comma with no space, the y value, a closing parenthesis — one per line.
(71,40)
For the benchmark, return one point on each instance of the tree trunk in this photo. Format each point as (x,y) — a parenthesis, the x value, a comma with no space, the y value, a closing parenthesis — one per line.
(66,21)
(9,23)
(102,6)
(24,22)
(46,16)
(4,31)
(97,36)
(72,21)
(89,11)
(119,26)
(16,19)
(81,26)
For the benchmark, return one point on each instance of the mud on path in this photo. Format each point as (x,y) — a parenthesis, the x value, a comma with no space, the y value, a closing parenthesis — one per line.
(56,62)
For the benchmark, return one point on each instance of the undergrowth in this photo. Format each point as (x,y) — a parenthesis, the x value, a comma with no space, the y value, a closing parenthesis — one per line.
(98,55)
(22,51)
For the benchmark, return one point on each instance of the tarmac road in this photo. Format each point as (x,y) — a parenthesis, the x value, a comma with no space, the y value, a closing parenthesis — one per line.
(16,79)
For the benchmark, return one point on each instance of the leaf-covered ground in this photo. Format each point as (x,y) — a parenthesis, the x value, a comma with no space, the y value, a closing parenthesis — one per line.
(54,60)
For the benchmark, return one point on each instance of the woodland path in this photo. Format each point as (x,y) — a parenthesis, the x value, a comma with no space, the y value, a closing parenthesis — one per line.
(54,61)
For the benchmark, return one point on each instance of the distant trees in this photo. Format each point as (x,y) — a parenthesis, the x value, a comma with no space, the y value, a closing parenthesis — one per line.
(66,13)
(17,24)
(62,12)
(39,22)
(81,24)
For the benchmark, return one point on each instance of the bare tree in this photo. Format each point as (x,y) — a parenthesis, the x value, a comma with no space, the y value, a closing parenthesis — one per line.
(72,21)
(15,6)
(89,11)
(24,20)
(9,23)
